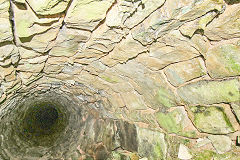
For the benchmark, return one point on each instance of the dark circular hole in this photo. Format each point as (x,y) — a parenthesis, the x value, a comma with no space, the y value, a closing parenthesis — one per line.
(42,123)
(41,118)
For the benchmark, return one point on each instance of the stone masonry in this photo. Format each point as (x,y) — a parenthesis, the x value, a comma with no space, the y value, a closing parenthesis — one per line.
(152,79)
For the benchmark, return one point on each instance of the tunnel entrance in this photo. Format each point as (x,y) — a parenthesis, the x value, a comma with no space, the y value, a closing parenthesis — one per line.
(42,122)
(55,124)
(41,119)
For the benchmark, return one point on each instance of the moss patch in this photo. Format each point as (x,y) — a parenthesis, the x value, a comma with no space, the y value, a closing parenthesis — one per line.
(165,98)
(168,121)
(209,92)
(211,120)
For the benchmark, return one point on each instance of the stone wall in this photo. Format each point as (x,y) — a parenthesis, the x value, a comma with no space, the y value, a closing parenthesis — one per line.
(142,79)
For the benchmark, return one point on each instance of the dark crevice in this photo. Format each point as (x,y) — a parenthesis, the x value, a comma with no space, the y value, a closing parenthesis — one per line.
(11,19)
(5,43)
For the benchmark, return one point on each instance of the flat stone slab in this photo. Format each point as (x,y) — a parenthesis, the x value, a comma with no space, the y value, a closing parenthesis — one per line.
(209,92)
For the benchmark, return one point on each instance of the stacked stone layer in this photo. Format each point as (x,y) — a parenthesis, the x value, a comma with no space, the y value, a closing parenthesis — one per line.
(169,69)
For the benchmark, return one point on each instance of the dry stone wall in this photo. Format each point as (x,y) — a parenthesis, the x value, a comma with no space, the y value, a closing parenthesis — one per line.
(134,80)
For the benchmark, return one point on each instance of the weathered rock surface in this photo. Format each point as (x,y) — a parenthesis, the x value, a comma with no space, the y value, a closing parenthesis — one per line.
(33,32)
(48,7)
(87,14)
(139,80)
(223,61)
(226,26)
(171,17)
(69,42)
(209,92)
(170,49)
(152,144)
(236,109)
(128,49)
(176,121)
(5,27)
(142,11)
(180,73)
(221,143)
(211,119)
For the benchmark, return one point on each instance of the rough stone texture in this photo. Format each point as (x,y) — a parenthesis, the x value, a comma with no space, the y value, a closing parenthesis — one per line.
(236,109)
(212,119)
(128,49)
(226,26)
(48,7)
(152,144)
(176,121)
(68,42)
(87,14)
(209,92)
(223,61)
(221,143)
(5,27)
(180,73)
(139,80)
(142,10)
(34,32)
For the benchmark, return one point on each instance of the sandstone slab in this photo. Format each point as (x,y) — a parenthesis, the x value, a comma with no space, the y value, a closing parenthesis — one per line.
(209,92)
(34,32)
(145,8)
(151,144)
(236,109)
(87,14)
(8,51)
(68,42)
(152,86)
(5,27)
(48,7)
(226,26)
(221,143)
(181,72)
(169,49)
(127,49)
(223,61)
(171,17)
(176,121)
(212,119)
(33,65)
(184,153)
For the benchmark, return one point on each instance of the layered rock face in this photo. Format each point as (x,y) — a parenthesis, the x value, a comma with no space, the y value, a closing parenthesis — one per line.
(119,79)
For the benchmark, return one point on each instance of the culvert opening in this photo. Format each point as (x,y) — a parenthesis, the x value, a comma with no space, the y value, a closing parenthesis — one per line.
(41,119)
(56,123)
(42,123)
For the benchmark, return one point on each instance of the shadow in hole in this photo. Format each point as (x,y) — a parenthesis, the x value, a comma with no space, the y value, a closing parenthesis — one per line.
(230,2)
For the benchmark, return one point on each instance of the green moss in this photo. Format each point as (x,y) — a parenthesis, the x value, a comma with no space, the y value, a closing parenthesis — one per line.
(211,119)
(208,155)
(168,121)
(109,79)
(229,124)
(230,53)
(190,134)
(165,98)
(205,155)
(158,151)
(209,92)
